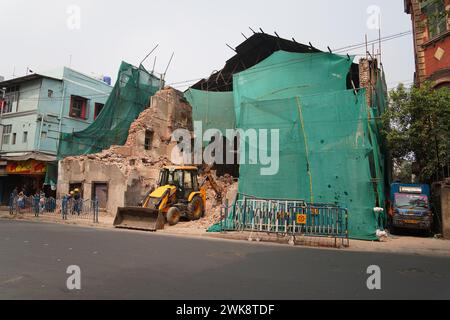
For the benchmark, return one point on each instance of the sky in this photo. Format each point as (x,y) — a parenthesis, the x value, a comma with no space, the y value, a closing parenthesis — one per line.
(94,36)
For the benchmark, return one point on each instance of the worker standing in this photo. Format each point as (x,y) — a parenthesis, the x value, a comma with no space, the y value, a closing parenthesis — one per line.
(77,201)
(65,205)
(36,209)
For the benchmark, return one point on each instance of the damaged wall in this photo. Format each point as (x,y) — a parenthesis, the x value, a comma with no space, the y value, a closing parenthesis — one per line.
(131,170)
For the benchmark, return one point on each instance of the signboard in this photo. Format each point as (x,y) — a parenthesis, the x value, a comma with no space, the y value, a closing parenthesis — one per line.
(417,190)
(301,218)
(29,167)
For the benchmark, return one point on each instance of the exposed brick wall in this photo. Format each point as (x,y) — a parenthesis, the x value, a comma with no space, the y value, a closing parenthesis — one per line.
(368,77)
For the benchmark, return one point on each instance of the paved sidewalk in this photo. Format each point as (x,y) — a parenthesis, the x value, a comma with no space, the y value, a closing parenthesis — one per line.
(105,221)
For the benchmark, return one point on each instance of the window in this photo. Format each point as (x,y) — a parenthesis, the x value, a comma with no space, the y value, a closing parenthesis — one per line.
(7,134)
(148,140)
(188,180)
(195,181)
(436,17)
(50,93)
(43,135)
(25,137)
(78,107)
(11,99)
(14,138)
(98,109)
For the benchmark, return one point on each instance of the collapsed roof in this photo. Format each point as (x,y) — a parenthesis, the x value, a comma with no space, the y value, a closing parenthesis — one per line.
(252,51)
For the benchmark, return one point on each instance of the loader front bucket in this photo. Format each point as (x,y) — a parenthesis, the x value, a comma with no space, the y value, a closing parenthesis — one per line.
(139,219)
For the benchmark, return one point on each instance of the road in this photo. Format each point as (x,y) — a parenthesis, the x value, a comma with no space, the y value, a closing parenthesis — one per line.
(118,264)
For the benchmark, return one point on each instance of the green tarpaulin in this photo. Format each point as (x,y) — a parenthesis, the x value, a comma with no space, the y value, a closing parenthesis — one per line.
(128,99)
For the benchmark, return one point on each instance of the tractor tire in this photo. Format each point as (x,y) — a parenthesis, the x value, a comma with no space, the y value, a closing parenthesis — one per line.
(195,209)
(173,216)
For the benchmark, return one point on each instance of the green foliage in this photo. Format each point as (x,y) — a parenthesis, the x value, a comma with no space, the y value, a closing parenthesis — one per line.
(417,128)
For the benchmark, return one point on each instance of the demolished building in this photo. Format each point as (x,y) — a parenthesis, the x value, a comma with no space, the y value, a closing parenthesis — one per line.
(327,110)
(122,175)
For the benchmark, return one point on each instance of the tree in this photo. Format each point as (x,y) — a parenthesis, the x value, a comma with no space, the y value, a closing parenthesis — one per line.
(417,129)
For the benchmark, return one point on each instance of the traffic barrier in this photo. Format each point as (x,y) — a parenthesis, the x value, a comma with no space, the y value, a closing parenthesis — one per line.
(66,208)
(290,218)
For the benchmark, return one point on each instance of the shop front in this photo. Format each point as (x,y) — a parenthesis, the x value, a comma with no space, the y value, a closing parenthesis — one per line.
(27,176)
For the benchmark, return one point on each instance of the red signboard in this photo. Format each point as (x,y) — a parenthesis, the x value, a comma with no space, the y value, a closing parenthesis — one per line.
(26,167)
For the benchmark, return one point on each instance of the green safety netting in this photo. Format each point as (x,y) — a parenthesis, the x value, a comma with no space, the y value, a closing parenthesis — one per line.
(324,154)
(129,97)
(286,74)
(214,109)
(330,146)
(51,176)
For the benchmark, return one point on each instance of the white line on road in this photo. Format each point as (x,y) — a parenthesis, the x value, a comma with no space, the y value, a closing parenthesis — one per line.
(16,279)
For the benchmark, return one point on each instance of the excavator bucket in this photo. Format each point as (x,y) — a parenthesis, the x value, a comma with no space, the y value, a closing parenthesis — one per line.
(139,219)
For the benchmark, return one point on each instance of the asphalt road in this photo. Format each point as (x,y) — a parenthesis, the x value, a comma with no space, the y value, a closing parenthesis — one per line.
(126,265)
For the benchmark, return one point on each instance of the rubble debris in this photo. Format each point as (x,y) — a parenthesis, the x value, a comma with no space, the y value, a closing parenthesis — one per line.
(133,169)
(229,185)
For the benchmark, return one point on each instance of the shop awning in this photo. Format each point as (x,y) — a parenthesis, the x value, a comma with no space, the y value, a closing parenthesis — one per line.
(38,156)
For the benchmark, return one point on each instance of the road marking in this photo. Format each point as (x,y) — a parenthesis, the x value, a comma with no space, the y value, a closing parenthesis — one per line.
(16,279)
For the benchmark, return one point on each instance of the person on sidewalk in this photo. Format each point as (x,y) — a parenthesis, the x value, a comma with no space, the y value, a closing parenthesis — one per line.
(12,203)
(21,201)
(35,199)
(78,202)
(65,206)
(42,201)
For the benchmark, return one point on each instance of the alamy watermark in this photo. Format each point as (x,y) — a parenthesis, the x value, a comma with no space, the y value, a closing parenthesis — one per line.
(253,146)
(73,21)
(374,280)
(74,280)
(373,21)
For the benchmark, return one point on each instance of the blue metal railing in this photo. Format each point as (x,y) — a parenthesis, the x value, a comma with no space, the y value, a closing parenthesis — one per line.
(285,217)
(66,208)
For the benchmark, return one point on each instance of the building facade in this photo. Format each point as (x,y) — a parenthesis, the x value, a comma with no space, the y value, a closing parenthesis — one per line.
(431,30)
(34,110)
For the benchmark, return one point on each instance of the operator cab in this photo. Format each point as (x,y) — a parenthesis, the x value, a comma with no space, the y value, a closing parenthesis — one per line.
(185,179)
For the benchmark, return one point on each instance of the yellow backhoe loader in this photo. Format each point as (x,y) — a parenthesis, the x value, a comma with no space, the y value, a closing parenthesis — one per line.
(178,195)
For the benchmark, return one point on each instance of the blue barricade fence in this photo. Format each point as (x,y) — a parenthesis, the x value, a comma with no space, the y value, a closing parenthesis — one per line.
(66,208)
(285,217)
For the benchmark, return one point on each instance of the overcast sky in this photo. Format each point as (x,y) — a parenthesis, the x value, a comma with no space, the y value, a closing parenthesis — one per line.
(43,34)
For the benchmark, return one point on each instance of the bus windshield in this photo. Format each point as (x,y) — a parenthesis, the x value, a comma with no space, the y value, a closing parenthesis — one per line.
(411,201)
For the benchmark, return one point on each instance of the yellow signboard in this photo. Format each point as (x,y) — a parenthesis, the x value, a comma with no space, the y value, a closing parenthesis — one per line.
(26,167)
(301,219)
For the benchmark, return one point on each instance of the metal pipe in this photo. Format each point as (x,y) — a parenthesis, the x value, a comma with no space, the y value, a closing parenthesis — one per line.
(40,132)
(148,55)
(61,111)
